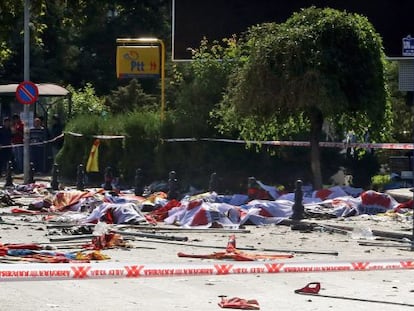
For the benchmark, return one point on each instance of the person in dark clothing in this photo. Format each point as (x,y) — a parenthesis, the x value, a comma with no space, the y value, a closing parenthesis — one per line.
(55,131)
(17,141)
(5,144)
(38,135)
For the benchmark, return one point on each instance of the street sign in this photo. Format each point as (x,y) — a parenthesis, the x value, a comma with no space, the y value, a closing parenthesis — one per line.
(138,62)
(408,46)
(27,93)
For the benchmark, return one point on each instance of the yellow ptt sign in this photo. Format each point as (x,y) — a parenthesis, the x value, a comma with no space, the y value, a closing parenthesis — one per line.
(137,62)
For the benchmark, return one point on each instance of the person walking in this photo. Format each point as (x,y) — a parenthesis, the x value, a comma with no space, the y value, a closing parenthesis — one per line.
(56,131)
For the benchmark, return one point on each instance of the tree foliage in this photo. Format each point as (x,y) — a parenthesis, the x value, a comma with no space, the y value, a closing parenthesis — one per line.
(84,101)
(129,98)
(300,69)
(74,42)
(200,85)
(266,85)
(402,117)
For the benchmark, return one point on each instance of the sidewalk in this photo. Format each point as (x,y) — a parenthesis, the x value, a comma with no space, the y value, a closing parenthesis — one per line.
(19,179)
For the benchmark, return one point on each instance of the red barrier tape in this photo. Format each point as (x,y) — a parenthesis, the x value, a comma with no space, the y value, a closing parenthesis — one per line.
(62,271)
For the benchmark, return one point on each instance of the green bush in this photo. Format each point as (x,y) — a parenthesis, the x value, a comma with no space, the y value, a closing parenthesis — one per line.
(142,136)
(76,149)
(379,181)
(140,129)
(194,162)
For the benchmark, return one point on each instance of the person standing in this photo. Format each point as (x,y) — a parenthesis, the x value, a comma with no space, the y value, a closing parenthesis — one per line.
(5,144)
(17,142)
(37,147)
(55,134)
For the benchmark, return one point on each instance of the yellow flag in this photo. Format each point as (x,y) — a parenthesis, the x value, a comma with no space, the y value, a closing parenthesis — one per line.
(92,165)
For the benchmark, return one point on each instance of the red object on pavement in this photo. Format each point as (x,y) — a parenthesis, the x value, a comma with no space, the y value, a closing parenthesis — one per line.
(232,253)
(239,303)
(18,210)
(30,246)
(311,288)
(5,247)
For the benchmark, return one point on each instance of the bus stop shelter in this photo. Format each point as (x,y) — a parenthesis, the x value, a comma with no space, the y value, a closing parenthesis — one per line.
(45,90)
(10,106)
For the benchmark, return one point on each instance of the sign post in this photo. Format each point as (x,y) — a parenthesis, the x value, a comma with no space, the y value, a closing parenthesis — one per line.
(27,93)
(136,59)
(32,96)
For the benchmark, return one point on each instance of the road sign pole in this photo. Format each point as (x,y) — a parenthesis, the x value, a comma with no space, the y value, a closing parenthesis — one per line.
(26,134)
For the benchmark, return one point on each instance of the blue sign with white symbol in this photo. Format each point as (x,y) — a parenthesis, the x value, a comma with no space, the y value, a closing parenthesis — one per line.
(27,93)
(408,46)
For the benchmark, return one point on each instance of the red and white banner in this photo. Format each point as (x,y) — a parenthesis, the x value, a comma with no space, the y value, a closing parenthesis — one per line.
(68,271)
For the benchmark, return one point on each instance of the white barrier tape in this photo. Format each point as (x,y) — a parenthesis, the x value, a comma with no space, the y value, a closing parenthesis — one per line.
(67,271)
(61,136)
(34,144)
(97,136)
(394,146)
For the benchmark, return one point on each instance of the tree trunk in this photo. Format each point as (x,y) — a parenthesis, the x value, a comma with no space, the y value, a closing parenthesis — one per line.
(316,119)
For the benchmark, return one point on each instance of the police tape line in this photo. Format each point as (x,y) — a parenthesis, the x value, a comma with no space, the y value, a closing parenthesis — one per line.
(34,143)
(44,142)
(98,270)
(281,143)
(97,136)
(342,145)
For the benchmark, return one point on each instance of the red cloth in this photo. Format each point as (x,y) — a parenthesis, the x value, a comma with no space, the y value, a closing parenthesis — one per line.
(371,197)
(239,303)
(18,210)
(407,204)
(200,218)
(17,130)
(63,199)
(31,246)
(161,213)
(323,194)
(258,194)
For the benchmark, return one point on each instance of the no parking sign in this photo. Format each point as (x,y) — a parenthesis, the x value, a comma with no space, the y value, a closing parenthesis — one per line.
(27,93)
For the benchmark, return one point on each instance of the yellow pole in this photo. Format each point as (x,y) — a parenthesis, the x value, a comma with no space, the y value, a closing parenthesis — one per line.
(162,79)
(161,43)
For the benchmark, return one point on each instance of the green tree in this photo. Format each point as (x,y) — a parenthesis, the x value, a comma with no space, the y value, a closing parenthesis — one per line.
(83,101)
(74,42)
(129,98)
(200,85)
(402,114)
(12,36)
(320,63)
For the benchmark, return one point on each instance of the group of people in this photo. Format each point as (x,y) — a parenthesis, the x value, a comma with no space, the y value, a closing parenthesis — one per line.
(12,143)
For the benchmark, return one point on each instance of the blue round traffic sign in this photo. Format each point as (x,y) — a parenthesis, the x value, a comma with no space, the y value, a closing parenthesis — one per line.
(27,93)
